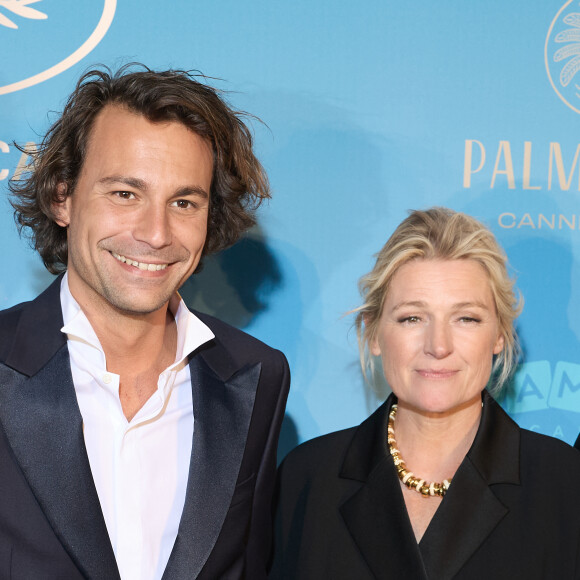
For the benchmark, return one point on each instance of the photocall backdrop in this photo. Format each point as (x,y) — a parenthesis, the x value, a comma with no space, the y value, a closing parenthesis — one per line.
(370,109)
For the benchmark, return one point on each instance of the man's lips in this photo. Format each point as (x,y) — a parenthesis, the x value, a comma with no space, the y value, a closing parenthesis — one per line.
(141,265)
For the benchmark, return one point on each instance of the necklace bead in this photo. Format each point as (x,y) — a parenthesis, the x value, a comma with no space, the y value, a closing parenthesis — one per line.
(426,489)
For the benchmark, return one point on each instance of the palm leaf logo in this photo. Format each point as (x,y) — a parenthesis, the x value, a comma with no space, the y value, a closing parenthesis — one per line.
(570,36)
(19,8)
(562,54)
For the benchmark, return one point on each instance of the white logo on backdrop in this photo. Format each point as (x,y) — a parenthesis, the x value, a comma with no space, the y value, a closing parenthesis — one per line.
(20,9)
(562,54)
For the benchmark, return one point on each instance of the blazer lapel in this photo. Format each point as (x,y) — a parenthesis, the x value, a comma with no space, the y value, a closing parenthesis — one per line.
(375,515)
(223,400)
(43,424)
(470,510)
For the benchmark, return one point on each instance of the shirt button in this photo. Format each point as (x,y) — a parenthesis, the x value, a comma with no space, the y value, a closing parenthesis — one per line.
(107,379)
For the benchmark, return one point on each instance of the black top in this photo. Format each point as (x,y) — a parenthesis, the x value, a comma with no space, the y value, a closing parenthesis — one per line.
(512,511)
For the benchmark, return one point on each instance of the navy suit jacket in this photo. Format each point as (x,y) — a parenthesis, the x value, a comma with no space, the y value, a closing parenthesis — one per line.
(51,524)
(512,510)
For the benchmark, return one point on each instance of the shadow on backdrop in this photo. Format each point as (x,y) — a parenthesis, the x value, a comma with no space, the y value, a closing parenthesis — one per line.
(288,437)
(544,269)
(236,284)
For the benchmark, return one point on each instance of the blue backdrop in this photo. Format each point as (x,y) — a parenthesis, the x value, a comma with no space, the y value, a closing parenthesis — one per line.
(370,109)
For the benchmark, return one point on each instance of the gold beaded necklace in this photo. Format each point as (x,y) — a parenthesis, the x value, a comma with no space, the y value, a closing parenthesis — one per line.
(407,477)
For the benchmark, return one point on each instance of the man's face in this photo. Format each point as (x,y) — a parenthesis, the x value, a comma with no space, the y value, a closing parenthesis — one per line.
(137,220)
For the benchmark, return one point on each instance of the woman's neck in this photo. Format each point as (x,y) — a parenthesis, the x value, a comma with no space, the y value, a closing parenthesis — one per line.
(433,445)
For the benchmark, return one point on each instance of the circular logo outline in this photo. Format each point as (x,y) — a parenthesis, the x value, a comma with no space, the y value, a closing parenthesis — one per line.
(562,98)
(92,41)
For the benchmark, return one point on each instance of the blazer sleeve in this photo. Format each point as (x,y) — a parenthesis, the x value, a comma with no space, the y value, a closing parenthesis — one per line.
(270,402)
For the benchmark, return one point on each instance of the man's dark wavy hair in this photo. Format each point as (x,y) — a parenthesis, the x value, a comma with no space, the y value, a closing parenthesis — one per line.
(239,181)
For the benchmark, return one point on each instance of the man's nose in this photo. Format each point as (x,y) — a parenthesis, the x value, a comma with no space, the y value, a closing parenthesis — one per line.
(153,227)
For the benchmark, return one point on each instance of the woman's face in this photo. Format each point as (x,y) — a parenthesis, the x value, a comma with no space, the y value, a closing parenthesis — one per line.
(437,334)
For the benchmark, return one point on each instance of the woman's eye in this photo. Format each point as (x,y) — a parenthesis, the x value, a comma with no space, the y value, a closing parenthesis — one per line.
(409,320)
(469,319)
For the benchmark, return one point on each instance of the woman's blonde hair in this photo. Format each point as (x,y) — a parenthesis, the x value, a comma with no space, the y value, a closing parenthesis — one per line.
(442,234)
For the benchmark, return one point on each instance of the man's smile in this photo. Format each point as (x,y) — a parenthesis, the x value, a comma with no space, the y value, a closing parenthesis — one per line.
(140,265)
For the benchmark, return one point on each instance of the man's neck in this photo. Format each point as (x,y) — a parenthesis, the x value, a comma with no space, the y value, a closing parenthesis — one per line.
(137,347)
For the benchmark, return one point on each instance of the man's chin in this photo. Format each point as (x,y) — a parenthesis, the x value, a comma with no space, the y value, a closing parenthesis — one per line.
(136,312)
(138,307)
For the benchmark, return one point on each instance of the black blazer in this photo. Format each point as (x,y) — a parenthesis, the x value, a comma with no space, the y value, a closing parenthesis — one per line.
(512,512)
(51,524)
(577,444)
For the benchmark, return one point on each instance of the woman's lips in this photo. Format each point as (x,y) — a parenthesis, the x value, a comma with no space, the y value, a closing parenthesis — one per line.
(436,373)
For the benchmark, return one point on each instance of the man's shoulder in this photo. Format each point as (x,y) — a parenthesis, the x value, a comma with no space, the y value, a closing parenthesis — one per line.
(9,319)
(13,312)
(236,341)
(33,325)
(232,349)
(45,301)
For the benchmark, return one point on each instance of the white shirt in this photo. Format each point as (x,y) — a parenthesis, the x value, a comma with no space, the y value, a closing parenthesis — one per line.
(140,467)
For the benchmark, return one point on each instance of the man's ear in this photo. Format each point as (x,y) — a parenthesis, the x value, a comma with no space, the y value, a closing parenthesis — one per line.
(61,206)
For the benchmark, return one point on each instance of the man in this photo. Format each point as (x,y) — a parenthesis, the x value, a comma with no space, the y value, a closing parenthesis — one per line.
(138,440)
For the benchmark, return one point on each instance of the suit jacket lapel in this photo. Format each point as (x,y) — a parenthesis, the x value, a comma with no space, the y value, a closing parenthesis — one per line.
(375,516)
(223,400)
(470,510)
(43,424)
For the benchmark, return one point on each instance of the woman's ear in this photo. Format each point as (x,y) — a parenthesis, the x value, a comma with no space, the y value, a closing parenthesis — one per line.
(499,344)
(61,206)
(374,347)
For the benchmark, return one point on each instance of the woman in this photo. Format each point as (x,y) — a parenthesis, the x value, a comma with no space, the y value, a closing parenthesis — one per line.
(439,482)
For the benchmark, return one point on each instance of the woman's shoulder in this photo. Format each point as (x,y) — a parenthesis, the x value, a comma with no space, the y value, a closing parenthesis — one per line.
(349,454)
(326,451)
(320,450)
(314,469)
(543,448)
(504,436)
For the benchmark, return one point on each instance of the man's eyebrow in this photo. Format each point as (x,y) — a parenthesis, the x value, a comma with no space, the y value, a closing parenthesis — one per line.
(131,181)
(141,185)
(191,190)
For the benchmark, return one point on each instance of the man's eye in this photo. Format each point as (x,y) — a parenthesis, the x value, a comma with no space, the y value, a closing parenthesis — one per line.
(183,204)
(125,195)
